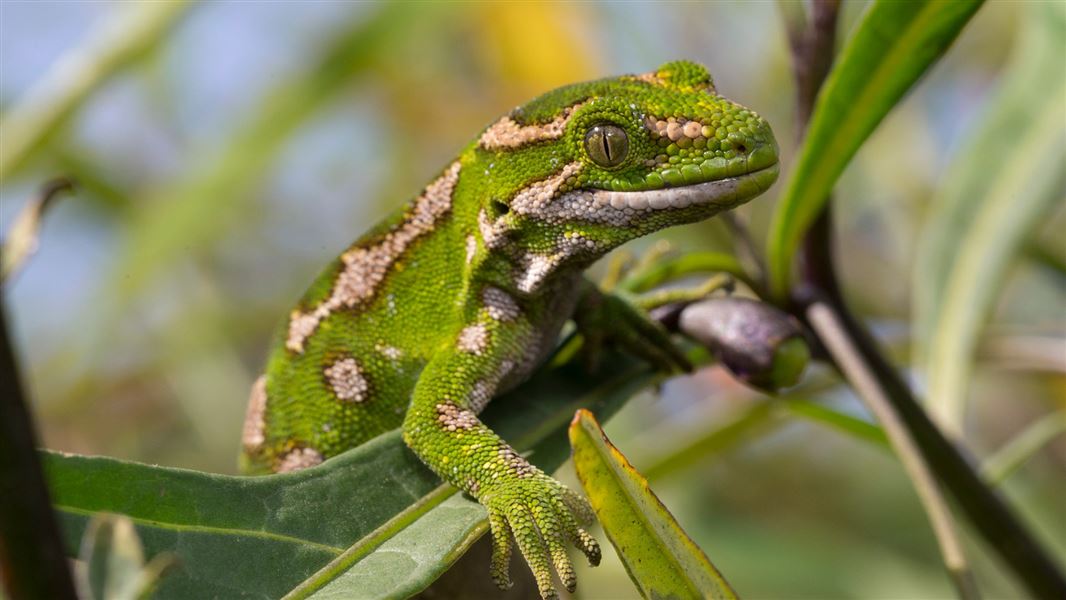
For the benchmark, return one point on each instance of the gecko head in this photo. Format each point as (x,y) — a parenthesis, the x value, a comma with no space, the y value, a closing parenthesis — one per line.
(586,167)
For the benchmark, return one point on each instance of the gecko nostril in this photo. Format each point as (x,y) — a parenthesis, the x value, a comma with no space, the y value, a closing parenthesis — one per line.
(500,208)
(741,148)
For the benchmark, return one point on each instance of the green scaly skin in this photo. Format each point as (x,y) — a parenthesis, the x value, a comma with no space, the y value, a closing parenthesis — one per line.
(461,293)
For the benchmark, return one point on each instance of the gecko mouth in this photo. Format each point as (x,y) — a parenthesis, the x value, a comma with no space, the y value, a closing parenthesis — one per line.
(723,193)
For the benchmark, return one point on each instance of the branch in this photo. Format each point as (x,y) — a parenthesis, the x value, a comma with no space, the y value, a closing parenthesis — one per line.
(827,324)
(32,561)
(987,511)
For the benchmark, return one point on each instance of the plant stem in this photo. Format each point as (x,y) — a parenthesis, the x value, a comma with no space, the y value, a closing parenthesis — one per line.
(812,55)
(986,510)
(32,561)
(827,324)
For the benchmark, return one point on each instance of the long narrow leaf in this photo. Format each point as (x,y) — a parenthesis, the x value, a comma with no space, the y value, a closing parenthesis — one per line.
(988,206)
(659,556)
(894,44)
(998,467)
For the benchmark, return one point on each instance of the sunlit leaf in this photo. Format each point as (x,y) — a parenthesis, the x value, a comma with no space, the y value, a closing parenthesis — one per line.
(659,556)
(996,192)
(893,45)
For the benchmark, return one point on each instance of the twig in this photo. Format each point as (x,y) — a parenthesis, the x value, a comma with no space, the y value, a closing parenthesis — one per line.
(812,53)
(20,242)
(827,325)
(32,560)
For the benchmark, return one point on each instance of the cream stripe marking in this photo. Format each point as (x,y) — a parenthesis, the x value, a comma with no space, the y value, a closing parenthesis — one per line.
(253,435)
(534,198)
(366,268)
(299,458)
(508,134)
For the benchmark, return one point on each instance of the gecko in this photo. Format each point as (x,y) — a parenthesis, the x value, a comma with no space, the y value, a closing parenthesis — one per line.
(463,291)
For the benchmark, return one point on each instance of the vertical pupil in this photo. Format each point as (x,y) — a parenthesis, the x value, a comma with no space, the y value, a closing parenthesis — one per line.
(606,145)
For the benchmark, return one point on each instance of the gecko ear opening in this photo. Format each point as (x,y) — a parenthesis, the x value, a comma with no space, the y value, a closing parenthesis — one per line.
(499,208)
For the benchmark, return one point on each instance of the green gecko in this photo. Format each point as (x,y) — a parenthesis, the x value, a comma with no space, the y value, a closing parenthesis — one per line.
(462,292)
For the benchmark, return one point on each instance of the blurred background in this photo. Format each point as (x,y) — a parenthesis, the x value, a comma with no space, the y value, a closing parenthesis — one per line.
(242,145)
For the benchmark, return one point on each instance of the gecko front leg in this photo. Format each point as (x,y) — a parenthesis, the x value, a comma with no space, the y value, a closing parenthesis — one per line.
(523,502)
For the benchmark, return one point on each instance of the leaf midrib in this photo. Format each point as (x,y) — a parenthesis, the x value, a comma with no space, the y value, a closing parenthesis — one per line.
(180,527)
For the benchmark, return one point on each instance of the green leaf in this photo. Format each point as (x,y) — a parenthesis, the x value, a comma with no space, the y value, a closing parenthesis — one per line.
(893,45)
(405,562)
(995,193)
(261,536)
(405,555)
(659,556)
(747,423)
(998,467)
(281,527)
(670,269)
(842,422)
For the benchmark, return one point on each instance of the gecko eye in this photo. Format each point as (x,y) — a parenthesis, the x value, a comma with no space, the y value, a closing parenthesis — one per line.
(607,145)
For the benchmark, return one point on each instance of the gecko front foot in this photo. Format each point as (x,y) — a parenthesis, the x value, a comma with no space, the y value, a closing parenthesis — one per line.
(542,515)
(611,318)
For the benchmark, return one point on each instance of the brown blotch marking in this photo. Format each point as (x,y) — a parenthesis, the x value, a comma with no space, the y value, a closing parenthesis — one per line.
(676,129)
(298,458)
(499,304)
(514,461)
(366,268)
(532,199)
(492,233)
(535,269)
(347,381)
(471,248)
(508,134)
(474,339)
(453,418)
(652,78)
(254,432)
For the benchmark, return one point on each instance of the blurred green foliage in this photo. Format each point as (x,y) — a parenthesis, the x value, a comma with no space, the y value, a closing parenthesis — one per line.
(233,156)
